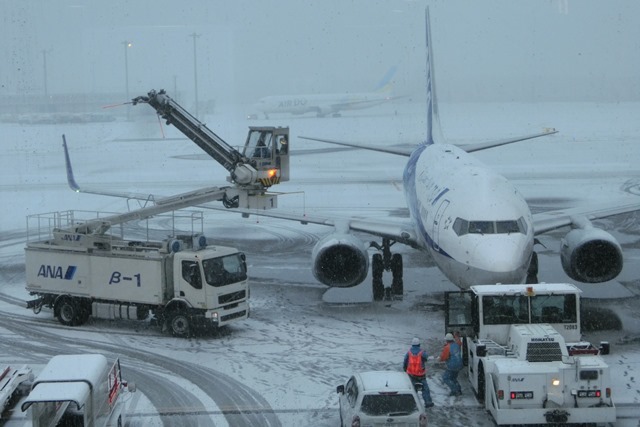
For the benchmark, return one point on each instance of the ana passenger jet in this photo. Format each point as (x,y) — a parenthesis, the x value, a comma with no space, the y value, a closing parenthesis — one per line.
(473,222)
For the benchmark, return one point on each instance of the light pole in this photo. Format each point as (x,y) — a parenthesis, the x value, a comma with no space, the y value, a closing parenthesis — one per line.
(175,87)
(127,44)
(195,68)
(44,72)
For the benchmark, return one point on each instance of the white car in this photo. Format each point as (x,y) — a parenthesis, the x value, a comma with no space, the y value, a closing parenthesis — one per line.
(380,398)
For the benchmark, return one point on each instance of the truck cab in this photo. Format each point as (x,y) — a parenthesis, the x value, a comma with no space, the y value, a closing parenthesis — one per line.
(212,282)
(525,357)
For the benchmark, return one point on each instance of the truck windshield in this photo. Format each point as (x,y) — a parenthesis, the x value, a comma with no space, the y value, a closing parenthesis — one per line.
(508,309)
(225,270)
(554,309)
(505,309)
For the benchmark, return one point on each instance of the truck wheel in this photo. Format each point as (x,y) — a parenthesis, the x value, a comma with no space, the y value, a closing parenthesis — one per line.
(83,310)
(83,316)
(67,312)
(179,324)
(481,383)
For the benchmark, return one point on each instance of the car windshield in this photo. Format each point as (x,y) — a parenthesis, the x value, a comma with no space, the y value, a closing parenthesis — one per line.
(384,404)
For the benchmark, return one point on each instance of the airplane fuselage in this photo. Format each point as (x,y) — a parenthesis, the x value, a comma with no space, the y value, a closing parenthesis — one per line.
(321,104)
(473,221)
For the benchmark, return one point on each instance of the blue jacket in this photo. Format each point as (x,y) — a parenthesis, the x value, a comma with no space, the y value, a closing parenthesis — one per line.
(452,356)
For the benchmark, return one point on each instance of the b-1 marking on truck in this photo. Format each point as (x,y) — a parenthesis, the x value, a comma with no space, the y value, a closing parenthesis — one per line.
(116,277)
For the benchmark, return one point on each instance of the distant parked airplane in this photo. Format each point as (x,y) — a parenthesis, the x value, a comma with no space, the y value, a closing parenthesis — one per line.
(328,103)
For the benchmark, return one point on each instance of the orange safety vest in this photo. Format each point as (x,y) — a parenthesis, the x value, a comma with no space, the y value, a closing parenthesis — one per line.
(415,366)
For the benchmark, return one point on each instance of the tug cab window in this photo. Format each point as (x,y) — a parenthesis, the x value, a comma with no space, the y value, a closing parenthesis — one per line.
(554,309)
(505,310)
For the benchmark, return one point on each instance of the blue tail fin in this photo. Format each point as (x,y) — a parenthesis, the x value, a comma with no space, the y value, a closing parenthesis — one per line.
(385,82)
(70,178)
(434,132)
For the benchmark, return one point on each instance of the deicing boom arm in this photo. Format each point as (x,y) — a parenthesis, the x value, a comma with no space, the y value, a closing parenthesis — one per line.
(230,158)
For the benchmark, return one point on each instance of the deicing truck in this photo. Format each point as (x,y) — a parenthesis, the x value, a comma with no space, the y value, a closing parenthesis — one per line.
(525,356)
(78,390)
(181,280)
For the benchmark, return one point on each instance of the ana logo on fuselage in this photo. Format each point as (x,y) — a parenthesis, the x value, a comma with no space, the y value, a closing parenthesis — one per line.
(296,102)
(55,272)
(72,237)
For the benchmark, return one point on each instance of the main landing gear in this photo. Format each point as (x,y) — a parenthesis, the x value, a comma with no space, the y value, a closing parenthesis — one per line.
(389,262)
(532,272)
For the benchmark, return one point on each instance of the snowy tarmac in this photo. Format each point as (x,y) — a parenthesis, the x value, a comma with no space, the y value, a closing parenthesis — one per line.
(281,367)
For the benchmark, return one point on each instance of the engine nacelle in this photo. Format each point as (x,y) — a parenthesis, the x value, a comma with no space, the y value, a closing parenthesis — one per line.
(340,260)
(323,110)
(591,255)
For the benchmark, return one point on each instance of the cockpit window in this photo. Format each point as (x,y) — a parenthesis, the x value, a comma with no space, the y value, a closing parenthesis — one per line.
(481,227)
(462,227)
(522,225)
(507,227)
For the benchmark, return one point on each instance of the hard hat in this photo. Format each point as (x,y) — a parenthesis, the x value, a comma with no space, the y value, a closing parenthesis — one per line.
(415,341)
(448,337)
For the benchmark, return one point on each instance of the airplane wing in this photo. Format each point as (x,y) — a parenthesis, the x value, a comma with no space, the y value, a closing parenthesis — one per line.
(400,151)
(406,151)
(398,230)
(490,144)
(551,220)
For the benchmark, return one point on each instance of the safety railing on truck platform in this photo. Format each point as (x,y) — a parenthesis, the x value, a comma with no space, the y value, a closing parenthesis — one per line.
(41,227)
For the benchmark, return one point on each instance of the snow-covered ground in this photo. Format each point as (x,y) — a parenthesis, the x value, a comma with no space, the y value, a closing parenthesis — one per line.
(281,367)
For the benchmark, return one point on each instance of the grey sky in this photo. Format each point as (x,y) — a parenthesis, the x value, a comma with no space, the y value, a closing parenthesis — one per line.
(493,50)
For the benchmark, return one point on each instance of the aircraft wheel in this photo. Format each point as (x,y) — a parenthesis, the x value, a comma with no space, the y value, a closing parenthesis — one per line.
(532,272)
(397,286)
(377,268)
(67,311)
(179,324)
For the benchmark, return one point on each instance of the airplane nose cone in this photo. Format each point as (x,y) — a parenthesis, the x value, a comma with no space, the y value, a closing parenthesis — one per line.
(501,260)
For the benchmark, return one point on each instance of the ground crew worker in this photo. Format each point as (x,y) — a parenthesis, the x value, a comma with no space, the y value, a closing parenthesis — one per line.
(452,357)
(457,338)
(415,365)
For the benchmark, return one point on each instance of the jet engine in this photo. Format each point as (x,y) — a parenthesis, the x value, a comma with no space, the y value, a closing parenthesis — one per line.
(340,260)
(323,110)
(591,255)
